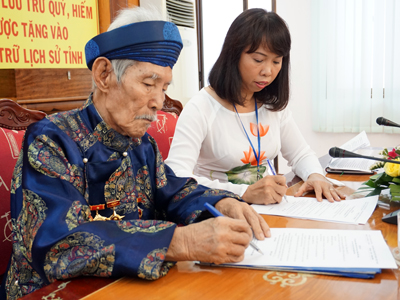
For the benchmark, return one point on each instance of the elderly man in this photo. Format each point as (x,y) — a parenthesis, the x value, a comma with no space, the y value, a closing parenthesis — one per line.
(91,194)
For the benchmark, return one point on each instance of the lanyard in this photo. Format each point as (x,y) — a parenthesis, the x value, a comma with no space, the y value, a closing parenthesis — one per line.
(258,138)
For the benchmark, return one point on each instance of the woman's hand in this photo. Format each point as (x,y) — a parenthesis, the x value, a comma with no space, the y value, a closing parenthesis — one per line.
(321,186)
(267,190)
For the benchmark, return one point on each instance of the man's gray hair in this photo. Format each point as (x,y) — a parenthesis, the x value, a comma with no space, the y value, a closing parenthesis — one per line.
(125,17)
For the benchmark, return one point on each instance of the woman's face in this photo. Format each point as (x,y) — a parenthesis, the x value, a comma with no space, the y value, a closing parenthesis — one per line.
(258,69)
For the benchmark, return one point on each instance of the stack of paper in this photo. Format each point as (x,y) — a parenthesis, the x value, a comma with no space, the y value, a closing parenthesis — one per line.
(353,165)
(349,253)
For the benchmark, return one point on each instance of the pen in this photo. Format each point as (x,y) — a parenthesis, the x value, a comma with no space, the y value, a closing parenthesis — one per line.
(274,173)
(216,213)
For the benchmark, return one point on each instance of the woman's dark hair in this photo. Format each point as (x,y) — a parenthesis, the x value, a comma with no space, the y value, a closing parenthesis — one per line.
(253,27)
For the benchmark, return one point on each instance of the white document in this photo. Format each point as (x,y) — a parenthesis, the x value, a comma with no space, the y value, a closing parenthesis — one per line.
(355,211)
(357,164)
(358,142)
(324,248)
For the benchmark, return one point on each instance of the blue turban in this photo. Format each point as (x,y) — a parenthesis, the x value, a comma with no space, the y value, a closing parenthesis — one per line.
(157,42)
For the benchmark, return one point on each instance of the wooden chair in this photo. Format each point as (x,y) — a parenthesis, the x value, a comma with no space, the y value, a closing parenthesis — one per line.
(172,106)
(13,116)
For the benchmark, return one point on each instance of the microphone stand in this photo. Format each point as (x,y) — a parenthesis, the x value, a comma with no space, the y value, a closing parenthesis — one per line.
(336,152)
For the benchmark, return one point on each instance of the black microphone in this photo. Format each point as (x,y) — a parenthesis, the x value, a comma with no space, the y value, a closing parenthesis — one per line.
(386,122)
(338,152)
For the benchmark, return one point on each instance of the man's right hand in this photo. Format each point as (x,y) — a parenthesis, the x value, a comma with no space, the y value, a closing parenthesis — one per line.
(216,240)
(267,190)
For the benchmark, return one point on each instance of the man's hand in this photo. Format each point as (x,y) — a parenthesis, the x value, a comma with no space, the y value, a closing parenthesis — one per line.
(267,190)
(216,240)
(219,240)
(321,186)
(240,210)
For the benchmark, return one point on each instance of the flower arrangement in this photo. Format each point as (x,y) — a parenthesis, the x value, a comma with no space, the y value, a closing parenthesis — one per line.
(390,178)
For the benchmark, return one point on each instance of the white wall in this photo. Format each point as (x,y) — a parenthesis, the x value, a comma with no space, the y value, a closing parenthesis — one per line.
(297,14)
(215,27)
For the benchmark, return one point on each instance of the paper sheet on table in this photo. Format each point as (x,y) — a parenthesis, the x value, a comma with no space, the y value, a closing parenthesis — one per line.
(359,141)
(324,248)
(357,164)
(355,211)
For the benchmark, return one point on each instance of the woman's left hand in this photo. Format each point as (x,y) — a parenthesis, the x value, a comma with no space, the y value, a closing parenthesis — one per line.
(321,186)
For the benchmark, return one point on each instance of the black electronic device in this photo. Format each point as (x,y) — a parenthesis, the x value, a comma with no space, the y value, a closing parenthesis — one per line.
(385,122)
(392,217)
(341,153)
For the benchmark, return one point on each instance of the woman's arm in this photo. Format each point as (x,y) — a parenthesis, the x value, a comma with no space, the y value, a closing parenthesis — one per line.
(304,161)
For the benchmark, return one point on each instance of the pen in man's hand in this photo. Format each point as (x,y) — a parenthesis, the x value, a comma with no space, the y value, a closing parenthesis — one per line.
(274,173)
(216,213)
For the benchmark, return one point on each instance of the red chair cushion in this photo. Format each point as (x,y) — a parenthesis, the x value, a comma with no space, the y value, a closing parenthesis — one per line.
(163,131)
(10,145)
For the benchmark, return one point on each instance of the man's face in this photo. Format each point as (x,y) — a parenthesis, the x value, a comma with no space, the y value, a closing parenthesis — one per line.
(132,105)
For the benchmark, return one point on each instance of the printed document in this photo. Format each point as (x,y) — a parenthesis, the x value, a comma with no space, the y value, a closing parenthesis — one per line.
(347,165)
(355,211)
(321,248)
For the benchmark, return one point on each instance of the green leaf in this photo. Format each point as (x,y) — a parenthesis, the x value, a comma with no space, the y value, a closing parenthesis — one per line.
(375,176)
(385,178)
(370,183)
(394,189)
(364,187)
(374,192)
(396,180)
(396,199)
(379,180)
(382,181)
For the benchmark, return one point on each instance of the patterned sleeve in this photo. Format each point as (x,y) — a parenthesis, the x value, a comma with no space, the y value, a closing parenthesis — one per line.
(54,235)
(184,197)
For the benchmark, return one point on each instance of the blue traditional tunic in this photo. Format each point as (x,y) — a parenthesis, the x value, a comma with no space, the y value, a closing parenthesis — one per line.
(72,162)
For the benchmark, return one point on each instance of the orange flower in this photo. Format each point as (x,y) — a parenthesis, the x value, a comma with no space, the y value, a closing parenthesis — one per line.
(263,129)
(250,158)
